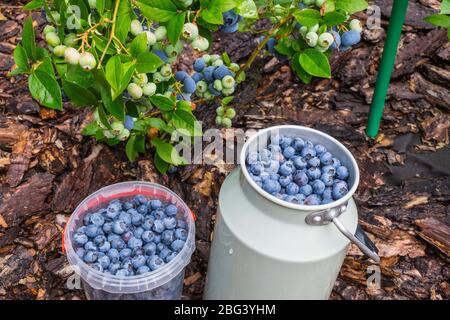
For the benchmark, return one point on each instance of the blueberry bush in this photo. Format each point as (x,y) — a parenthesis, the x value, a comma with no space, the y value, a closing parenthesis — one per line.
(117,56)
(441,19)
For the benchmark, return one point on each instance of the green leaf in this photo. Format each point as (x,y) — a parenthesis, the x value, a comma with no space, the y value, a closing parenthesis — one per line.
(45,89)
(162,102)
(284,47)
(247,9)
(182,119)
(35,4)
(102,116)
(139,144)
(334,18)
(299,71)
(445,7)
(307,17)
(100,44)
(167,152)
(47,67)
(159,124)
(79,95)
(315,63)
(115,107)
(440,20)
(148,62)
(227,100)
(160,164)
(77,75)
(225,5)
(213,15)
(28,39)
(351,6)
(139,44)
(119,74)
(100,5)
(124,17)
(90,130)
(20,58)
(226,58)
(330,6)
(175,26)
(130,149)
(158,10)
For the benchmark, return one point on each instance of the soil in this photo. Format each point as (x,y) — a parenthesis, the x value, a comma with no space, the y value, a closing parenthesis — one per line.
(47,167)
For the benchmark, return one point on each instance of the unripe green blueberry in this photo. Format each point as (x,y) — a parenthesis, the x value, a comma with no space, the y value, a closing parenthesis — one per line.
(325,40)
(311,39)
(55,15)
(320,3)
(207,95)
(190,31)
(230,113)
(220,111)
(167,94)
(218,85)
(308,2)
(108,134)
(48,28)
(151,38)
(207,58)
(171,60)
(70,40)
(185,3)
(226,122)
(234,67)
(72,56)
(167,78)
(92,4)
(52,39)
(134,90)
(201,86)
(320,48)
(228,91)
(174,50)
(200,43)
(149,89)
(157,77)
(183,104)
(214,57)
(161,33)
(228,82)
(166,70)
(278,9)
(140,79)
(355,24)
(87,61)
(219,120)
(314,28)
(59,50)
(117,128)
(135,27)
(217,63)
(303,30)
(124,135)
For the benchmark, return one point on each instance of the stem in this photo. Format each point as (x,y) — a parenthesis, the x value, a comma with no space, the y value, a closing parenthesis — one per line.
(262,44)
(111,36)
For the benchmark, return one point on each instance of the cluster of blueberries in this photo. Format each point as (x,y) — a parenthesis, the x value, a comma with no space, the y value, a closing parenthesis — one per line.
(130,238)
(297,171)
(230,21)
(211,78)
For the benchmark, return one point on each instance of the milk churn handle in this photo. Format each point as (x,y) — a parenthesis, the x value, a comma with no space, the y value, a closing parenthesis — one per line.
(320,218)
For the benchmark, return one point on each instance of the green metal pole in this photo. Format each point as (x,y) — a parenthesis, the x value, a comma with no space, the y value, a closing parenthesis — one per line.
(394,31)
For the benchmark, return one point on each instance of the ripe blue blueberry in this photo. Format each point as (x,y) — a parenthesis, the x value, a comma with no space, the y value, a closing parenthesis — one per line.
(326,158)
(155,204)
(327,193)
(167,237)
(138,261)
(160,247)
(164,253)
(118,244)
(142,270)
(80,252)
(127,236)
(299,162)
(229,29)
(285,142)
(171,210)
(308,153)
(335,162)
(99,240)
(213,90)
(313,173)
(292,188)
(177,245)
(97,266)
(314,162)
(107,227)
(288,152)
(340,189)
(170,223)
(287,168)
(181,234)
(300,198)
(134,243)
(199,64)
(170,257)
(122,273)
(162,55)
(306,190)
(181,224)
(125,253)
(329,170)
(257,168)
(222,71)
(285,180)
(327,179)
(140,199)
(104,262)
(154,262)
(119,227)
(113,210)
(91,231)
(148,223)
(150,248)
(113,255)
(129,122)
(128,205)
(125,216)
(80,239)
(197,77)
(181,75)
(271,186)
(320,149)
(313,200)
(298,144)
(158,214)
(90,256)
(142,209)
(342,172)
(318,187)
(300,177)
(189,85)
(158,226)
(208,74)
(272,166)
(97,219)
(270,45)
(350,38)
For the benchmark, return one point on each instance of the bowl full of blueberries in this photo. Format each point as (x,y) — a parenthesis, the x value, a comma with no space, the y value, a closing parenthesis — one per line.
(299,168)
(131,240)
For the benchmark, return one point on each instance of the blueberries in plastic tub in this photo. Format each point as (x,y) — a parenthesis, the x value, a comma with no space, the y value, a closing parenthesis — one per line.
(300,172)
(132,237)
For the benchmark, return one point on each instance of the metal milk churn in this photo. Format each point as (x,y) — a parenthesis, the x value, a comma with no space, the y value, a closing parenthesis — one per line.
(266,248)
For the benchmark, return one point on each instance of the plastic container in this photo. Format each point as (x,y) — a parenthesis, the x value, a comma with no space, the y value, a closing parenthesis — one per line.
(266,248)
(165,283)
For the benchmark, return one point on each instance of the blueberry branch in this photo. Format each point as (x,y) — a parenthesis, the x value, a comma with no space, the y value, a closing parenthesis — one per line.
(263,43)
(111,36)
